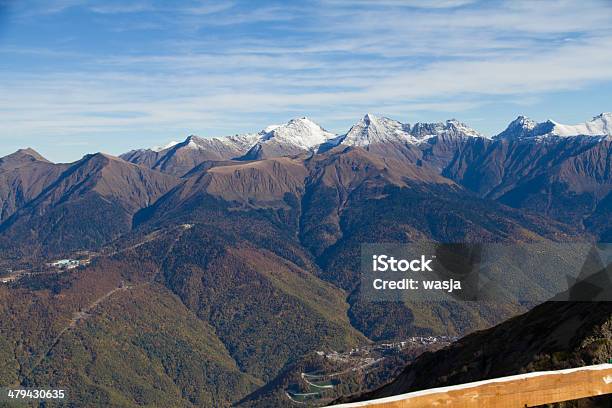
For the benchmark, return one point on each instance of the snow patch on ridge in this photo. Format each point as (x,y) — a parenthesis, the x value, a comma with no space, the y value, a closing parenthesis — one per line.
(522,127)
(300,132)
(600,125)
(372,129)
(165,147)
(304,134)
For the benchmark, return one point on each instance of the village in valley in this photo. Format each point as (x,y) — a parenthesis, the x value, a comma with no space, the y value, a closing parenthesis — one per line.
(352,370)
(13,274)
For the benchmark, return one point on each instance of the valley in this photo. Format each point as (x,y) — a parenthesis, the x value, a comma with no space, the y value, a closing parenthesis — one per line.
(226,271)
(352,367)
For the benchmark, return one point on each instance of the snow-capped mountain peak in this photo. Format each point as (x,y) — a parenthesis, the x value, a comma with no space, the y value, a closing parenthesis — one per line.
(300,132)
(243,141)
(605,117)
(192,142)
(369,118)
(522,127)
(158,149)
(374,129)
(294,137)
(270,128)
(452,127)
(600,125)
(461,128)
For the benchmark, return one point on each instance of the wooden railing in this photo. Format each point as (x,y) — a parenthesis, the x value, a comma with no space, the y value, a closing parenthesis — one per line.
(526,390)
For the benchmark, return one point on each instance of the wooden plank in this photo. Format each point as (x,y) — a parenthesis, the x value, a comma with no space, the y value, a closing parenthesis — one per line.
(524,390)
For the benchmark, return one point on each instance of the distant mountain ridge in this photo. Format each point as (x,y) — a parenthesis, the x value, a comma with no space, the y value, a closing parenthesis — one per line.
(523,127)
(87,204)
(566,178)
(294,137)
(302,134)
(254,242)
(23,175)
(372,129)
(297,136)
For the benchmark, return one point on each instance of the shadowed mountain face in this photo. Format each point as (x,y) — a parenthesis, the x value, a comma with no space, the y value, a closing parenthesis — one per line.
(253,242)
(552,336)
(88,204)
(23,176)
(182,157)
(325,206)
(566,179)
(559,171)
(573,329)
(339,214)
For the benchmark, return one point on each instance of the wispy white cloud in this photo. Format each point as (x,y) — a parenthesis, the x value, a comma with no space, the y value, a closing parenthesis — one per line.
(208,8)
(120,8)
(432,4)
(190,8)
(334,61)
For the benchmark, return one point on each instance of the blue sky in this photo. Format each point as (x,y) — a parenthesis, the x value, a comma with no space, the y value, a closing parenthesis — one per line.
(81,76)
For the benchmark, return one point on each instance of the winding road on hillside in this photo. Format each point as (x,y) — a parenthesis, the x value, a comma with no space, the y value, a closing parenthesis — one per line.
(79,316)
(85,313)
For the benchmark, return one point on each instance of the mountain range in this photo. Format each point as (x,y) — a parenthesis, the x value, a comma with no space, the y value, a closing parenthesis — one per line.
(302,134)
(212,265)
